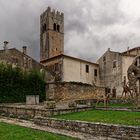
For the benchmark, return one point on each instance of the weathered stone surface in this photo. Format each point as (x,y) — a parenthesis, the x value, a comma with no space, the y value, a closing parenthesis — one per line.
(96,129)
(32,99)
(51,34)
(50,104)
(74,91)
(32,112)
(72,104)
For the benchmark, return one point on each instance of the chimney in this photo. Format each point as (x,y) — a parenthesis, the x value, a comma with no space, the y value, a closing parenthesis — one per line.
(5,45)
(108,49)
(24,50)
(128,50)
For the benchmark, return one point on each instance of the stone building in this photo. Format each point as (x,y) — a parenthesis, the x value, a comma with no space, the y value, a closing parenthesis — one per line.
(109,71)
(19,58)
(113,68)
(51,34)
(64,68)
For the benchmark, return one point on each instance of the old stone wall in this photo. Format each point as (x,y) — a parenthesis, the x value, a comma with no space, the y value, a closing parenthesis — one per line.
(67,91)
(24,112)
(95,129)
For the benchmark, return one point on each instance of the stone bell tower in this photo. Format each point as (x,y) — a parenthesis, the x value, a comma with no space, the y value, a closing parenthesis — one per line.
(51,34)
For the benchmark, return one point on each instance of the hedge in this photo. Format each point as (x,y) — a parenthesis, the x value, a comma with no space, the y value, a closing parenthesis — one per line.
(15,84)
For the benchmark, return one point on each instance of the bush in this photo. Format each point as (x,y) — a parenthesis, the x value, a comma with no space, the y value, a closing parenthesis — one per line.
(15,84)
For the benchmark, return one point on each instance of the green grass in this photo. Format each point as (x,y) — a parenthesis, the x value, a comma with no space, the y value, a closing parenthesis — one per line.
(14,132)
(112,117)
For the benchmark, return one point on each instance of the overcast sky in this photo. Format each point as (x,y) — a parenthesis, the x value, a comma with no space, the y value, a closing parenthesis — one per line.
(91,26)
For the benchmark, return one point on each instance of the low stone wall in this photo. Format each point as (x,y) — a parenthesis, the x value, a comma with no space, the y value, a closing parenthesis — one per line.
(95,129)
(65,91)
(24,113)
(112,101)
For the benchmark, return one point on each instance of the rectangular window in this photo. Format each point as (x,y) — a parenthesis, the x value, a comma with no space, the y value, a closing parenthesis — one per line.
(114,64)
(95,72)
(56,67)
(87,68)
(104,58)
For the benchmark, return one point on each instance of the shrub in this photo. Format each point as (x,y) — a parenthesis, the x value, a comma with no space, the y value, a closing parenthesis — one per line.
(15,84)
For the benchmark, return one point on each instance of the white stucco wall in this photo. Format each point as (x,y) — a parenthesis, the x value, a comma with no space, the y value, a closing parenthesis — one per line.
(75,70)
(134,52)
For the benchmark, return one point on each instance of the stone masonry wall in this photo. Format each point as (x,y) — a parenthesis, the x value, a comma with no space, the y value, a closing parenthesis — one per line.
(95,129)
(23,112)
(67,91)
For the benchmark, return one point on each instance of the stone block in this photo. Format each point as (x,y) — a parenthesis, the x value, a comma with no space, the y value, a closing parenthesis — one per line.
(32,99)
(50,104)
(72,104)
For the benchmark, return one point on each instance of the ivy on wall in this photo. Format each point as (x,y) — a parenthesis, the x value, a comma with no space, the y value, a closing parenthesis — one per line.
(15,84)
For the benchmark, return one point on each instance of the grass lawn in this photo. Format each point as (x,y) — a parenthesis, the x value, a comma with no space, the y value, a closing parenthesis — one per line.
(113,117)
(14,132)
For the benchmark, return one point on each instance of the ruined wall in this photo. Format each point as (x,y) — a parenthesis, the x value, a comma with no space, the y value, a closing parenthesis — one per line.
(73,91)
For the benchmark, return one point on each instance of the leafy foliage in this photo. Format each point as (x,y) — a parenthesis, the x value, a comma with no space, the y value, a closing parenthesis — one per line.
(15,84)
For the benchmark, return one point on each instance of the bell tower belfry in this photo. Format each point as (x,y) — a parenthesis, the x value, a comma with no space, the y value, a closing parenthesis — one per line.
(51,34)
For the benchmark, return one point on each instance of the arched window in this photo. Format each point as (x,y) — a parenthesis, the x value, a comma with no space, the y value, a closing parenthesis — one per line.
(54,26)
(58,28)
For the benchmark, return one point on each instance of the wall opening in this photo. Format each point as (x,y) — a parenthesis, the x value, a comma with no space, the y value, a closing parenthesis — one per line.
(95,72)
(54,26)
(114,64)
(58,28)
(44,28)
(56,67)
(87,68)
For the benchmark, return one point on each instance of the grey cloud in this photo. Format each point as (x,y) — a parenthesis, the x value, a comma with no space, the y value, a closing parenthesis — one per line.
(89,26)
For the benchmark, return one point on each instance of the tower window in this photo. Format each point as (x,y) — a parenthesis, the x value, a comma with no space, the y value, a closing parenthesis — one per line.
(114,64)
(95,72)
(54,26)
(87,68)
(58,28)
(44,28)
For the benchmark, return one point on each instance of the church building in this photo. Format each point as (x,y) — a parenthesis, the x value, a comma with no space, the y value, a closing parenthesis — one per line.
(109,71)
(64,68)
